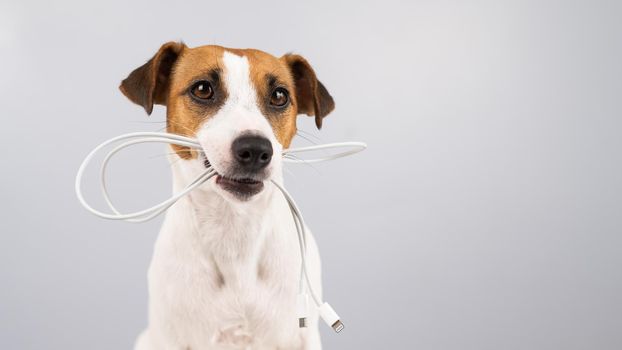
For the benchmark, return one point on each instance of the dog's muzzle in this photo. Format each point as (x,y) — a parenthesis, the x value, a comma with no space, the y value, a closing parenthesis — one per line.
(251,154)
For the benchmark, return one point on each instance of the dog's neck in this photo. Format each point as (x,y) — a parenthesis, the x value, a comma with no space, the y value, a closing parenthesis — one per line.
(228,234)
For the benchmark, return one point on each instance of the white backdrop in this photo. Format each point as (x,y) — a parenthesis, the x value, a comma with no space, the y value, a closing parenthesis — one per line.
(486,213)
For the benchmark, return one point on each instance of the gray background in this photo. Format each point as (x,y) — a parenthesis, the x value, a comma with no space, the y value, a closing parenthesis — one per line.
(486,213)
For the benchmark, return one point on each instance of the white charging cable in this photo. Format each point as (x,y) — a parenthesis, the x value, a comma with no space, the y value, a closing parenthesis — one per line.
(325,310)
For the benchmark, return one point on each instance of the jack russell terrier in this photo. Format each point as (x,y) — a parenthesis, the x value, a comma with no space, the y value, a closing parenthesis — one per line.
(226,264)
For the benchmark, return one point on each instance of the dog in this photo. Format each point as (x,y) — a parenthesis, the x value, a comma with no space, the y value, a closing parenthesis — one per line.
(225,268)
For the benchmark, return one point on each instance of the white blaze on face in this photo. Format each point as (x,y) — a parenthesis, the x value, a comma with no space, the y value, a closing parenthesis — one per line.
(239,115)
(238,82)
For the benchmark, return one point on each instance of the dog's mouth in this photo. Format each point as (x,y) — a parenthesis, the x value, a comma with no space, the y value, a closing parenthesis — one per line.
(243,188)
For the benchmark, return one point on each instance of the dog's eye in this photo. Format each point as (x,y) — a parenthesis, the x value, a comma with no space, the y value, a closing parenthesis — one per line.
(279,97)
(202,90)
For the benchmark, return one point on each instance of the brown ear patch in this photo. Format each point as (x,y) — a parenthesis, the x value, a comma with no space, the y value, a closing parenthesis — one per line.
(149,83)
(311,96)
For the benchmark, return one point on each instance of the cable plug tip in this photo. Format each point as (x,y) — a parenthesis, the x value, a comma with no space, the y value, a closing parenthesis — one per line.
(330,317)
(337,326)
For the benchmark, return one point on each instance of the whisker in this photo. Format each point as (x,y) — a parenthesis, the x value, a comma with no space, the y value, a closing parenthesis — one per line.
(170,122)
(306,138)
(181,126)
(294,157)
(309,134)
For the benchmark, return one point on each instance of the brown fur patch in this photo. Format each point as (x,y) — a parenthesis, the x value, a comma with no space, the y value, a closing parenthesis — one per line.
(183,115)
(264,68)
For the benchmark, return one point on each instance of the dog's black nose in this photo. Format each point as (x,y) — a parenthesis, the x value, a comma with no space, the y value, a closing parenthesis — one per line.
(252,152)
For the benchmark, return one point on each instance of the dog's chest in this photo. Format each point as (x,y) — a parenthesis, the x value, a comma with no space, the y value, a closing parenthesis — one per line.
(235,287)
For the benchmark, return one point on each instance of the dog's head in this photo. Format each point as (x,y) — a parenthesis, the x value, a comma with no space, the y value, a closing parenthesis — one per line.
(240,104)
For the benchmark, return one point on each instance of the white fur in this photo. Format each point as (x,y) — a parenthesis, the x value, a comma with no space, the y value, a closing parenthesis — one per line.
(224,273)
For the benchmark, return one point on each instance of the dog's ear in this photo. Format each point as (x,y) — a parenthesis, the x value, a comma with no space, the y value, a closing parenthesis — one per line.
(311,96)
(148,84)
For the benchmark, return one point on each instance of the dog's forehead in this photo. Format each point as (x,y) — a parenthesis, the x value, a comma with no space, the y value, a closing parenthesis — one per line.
(200,60)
